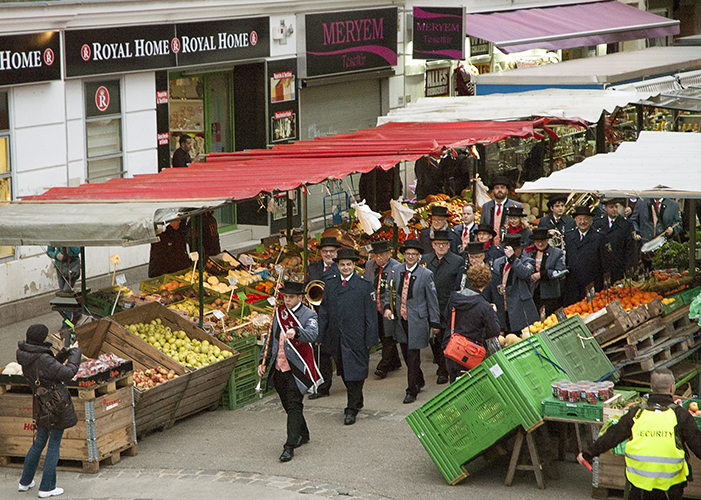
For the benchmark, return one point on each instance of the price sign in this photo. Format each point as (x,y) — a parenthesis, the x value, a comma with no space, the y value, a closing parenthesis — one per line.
(560,315)
(368,248)
(260,248)
(283,241)
(607,280)
(246,260)
(242,297)
(591,293)
(317,236)
(114,259)
(271,301)
(121,280)
(218,314)
(233,281)
(279,269)
(194,256)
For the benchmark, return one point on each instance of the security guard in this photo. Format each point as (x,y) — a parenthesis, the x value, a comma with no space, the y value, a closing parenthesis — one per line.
(656,465)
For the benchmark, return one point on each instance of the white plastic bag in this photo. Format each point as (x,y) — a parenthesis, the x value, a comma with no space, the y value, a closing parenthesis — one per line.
(401,214)
(369,220)
(481,196)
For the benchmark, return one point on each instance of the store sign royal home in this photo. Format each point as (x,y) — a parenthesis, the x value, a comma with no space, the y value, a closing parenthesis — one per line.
(439,33)
(30,58)
(343,42)
(163,46)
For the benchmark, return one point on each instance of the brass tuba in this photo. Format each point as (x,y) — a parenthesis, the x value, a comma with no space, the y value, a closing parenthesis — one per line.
(314,292)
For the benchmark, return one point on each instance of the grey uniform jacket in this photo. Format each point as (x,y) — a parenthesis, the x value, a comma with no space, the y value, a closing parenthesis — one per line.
(519,293)
(553,260)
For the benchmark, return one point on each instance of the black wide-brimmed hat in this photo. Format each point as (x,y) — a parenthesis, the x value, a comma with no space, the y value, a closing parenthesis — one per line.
(475,248)
(511,240)
(411,244)
(438,211)
(441,236)
(293,288)
(329,241)
(583,210)
(540,233)
(379,247)
(514,211)
(611,201)
(500,179)
(486,228)
(347,254)
(554,198)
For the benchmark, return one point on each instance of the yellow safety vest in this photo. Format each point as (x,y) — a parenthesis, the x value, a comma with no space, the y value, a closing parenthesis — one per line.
(653,459)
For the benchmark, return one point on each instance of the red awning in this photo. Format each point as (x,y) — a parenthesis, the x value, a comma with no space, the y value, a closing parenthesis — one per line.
(568,26)
(243,175)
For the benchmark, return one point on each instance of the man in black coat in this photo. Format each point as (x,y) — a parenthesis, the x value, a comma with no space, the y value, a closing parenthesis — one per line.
(485,234)
(585,258)
(557,219)
(549,269)
(348,328)
(320,270)
(445,266)
(377,271)
(620,248)
(439,222)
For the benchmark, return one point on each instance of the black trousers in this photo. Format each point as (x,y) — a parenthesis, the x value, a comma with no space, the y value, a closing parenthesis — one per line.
(631,492)
(354,388)
(551,305)
(326,369)
(454,369)
(414,375)
(291,400)
(436,344)
(390,355)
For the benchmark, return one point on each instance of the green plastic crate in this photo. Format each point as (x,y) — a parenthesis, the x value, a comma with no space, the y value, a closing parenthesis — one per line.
(577,351)
(525,371)
(688,296)
(462,421)
(553,407)
(247,348)
(239,390)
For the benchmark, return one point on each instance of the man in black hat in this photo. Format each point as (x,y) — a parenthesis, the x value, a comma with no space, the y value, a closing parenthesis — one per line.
(445,266)
(439,222)
(549,265)
(493,212)
(416,315)
(288,353)
(619,246)
(348,328)
(511,289)
(516,224)
(485,234)
(320,270)
(557,218)
(377,271)
(476,254)
(585,258)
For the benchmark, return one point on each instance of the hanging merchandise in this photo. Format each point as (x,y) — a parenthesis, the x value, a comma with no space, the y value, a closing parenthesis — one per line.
(400,213)
(481,196)
(369,220)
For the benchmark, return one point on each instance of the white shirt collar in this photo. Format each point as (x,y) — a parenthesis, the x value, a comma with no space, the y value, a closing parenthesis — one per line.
(349,277)
(411,270)
(295,308)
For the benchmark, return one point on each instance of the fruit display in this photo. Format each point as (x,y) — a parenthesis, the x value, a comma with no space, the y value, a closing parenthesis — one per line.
(171,285)
(539,326)
(145,379)
(694,409)
(192,353)
(267,287)
(244,278)
(105,362)
(254,324)
(629,298)
(190,307)
(166,297)
(213,283)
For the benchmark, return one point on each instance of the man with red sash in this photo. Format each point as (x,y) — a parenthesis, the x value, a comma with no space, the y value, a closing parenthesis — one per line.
(289,353)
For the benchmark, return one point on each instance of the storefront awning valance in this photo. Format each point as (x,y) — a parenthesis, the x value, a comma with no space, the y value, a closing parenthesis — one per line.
(568,26)
(658,164)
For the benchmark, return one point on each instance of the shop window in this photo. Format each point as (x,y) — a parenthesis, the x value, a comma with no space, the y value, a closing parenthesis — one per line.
(103,129)
(5,171)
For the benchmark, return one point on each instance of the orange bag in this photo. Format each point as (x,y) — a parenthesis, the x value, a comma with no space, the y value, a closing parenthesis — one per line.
(462,350)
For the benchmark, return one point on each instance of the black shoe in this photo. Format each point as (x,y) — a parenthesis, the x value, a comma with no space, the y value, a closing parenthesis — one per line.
(442,379)
(409,399)
(350,419)
(318,395)
(287,455)
(380,373)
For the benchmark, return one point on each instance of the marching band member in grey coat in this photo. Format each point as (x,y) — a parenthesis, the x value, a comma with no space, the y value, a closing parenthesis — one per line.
(546,275)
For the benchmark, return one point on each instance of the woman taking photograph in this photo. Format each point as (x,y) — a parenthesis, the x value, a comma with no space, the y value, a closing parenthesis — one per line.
(39,363)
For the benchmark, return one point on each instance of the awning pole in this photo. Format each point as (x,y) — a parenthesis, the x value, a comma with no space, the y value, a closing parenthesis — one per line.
(692,238)
(200,266)
(305,251)
(601,134)
(639,118)
(288,219)
(83,278)
(395,228)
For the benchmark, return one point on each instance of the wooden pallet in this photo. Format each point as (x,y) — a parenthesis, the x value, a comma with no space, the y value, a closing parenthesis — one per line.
(677,321)
(657,357)
(609,323)
(76,465)
(636,341)
(681,371)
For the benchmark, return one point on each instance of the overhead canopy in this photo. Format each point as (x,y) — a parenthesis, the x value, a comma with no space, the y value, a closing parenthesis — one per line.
(558,103)
(658,164)
(568,26)
(682,100)
(87,224)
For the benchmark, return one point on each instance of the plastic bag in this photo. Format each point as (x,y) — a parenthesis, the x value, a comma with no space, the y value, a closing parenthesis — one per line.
(401,214)
(481,196)
(369,220)
(695,307)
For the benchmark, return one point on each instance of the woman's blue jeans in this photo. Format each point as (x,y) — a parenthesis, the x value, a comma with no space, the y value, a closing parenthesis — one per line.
(31,462)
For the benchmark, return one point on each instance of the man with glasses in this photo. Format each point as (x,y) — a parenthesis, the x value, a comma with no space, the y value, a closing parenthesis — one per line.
(320,270)
(415,314)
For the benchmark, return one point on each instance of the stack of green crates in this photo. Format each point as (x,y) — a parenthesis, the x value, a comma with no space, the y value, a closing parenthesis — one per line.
(241,388)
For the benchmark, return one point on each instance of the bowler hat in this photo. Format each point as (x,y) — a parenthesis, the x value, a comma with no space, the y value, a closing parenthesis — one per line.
(500,179)
(411,244)
(441,236)
(347,254)
(514,211)
(511,240)
(475,247)
(610,201)
(329,241)
(582,210)
(554,198)
(486,228)
(439,211)
(379,247)
(540,233)
(293,288)
(36,334)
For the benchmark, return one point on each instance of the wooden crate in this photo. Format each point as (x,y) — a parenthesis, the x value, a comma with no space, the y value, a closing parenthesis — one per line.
(609,323)
(203,387)
(105,428)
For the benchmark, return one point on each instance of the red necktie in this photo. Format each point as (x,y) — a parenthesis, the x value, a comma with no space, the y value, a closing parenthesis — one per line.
(326,267)
(344,282)
(498,209)
(657,205)
(379,285)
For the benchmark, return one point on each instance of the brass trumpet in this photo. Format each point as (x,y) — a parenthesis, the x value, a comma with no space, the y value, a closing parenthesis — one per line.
(314,292)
